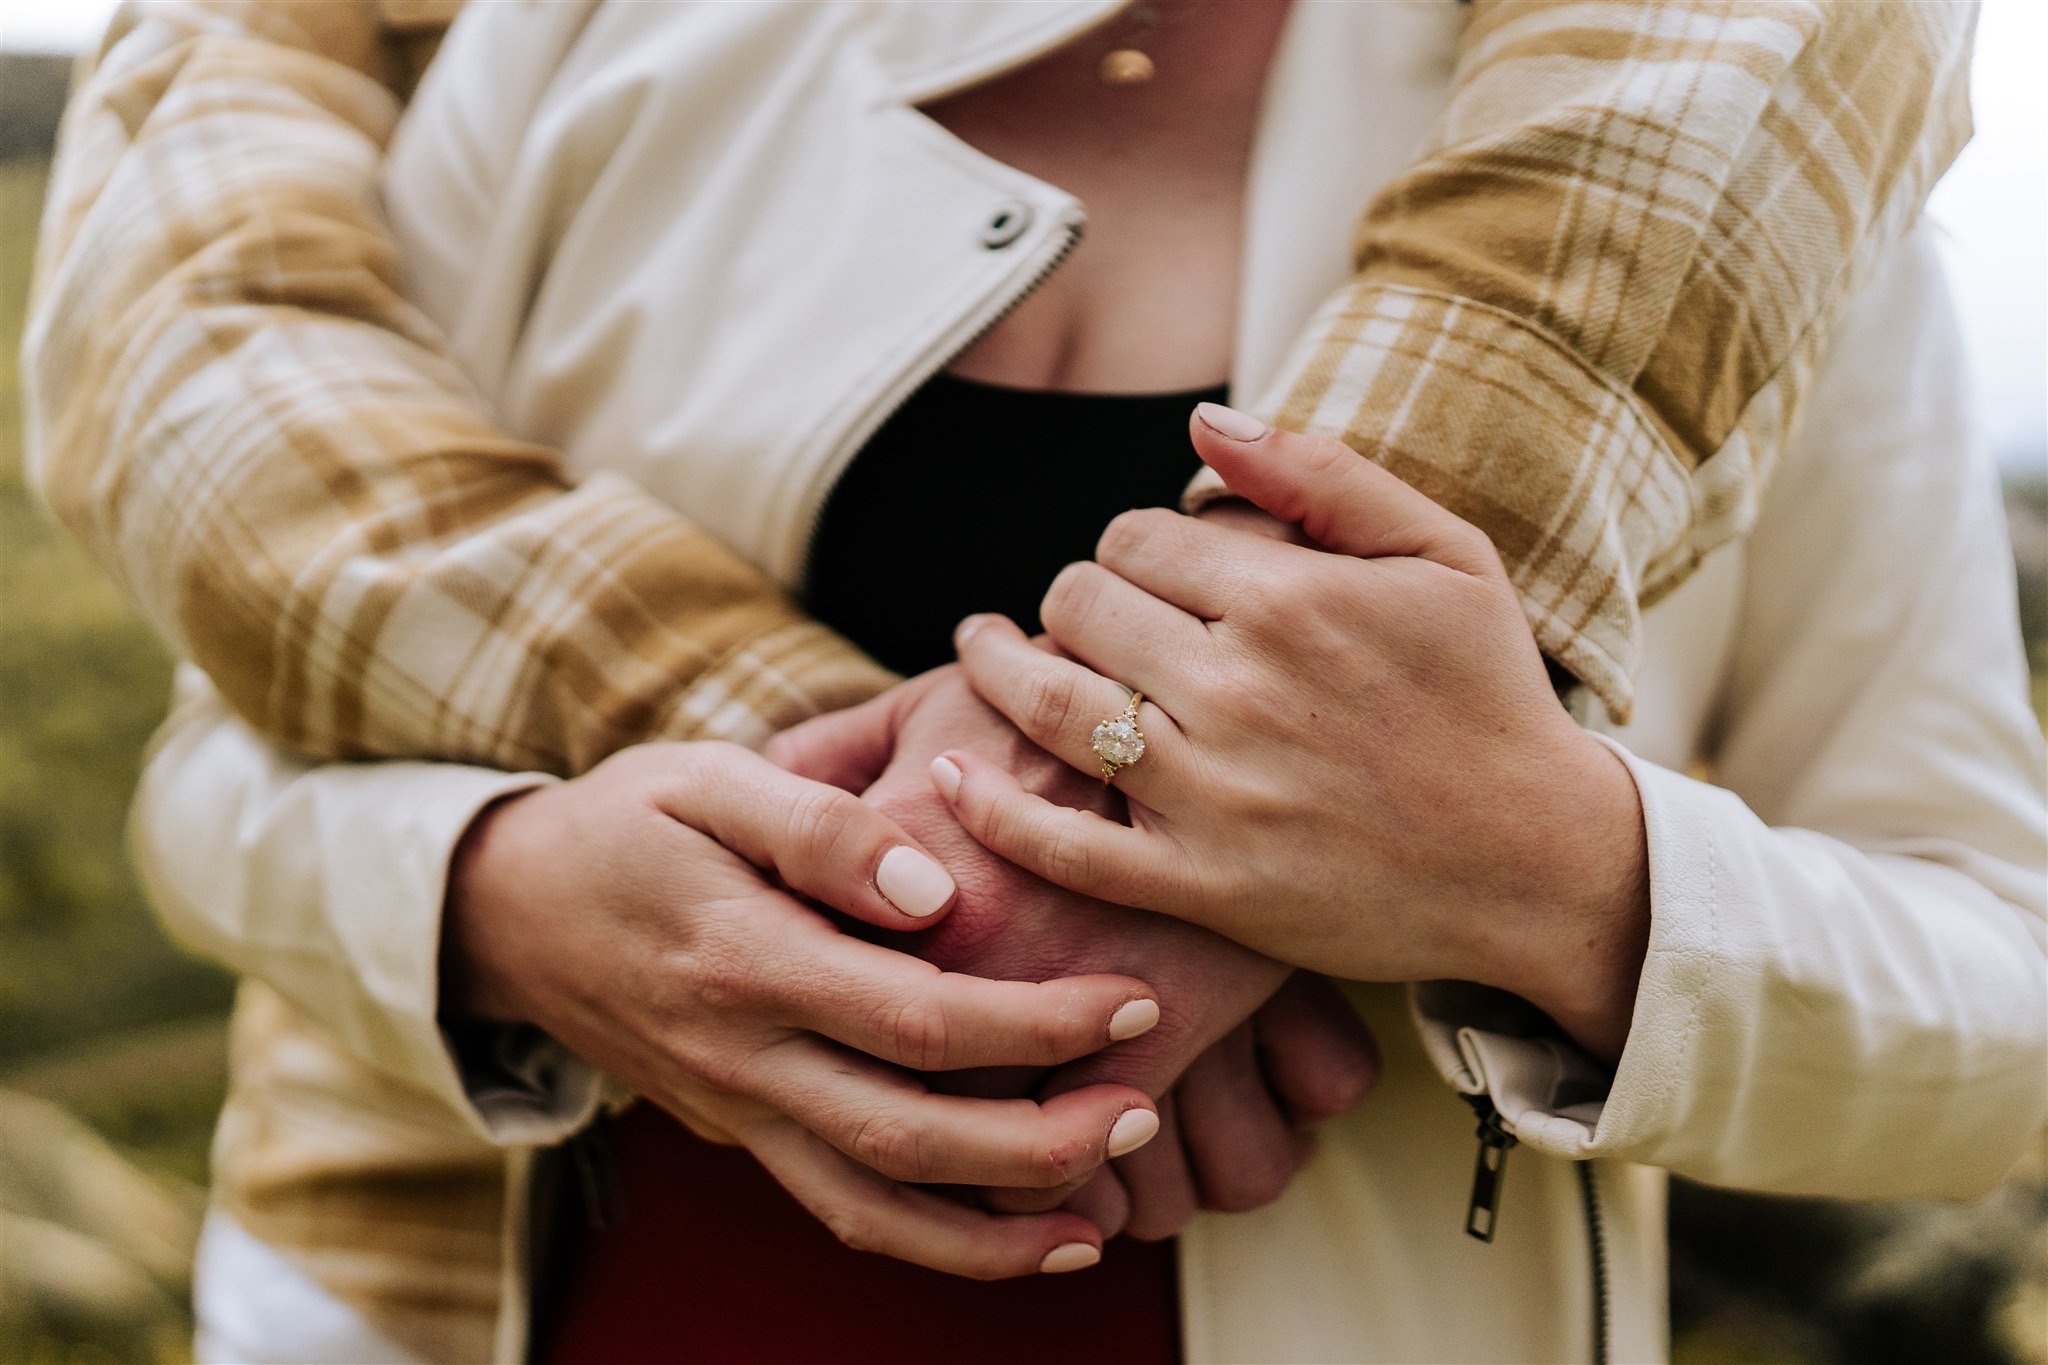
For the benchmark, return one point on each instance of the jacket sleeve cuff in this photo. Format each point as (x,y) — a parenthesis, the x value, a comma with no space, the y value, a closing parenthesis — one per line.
(327,881)
(1812,1017)
(1497,419)
(518,1086)
(1552,1093)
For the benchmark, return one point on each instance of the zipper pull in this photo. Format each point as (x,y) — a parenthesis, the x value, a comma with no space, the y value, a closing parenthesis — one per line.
(1487,1170)
(597,1173)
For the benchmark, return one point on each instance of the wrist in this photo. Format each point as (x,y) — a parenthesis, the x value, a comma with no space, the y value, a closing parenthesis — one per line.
(473,984)
(1586,919)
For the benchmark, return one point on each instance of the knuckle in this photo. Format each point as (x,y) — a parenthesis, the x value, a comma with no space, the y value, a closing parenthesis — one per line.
(1067,857)
(917,1031)
(1129,531)
(1255,1184)
(1156,1227)
(1479,550)
(717,977)
(854,1227)
(1345,1090)
(1072,597)
(1052,1033)
(819,819)
(717,758)
(1267,1184)
(888,1143)
(723,995)
(723,1069)
(1049,702)
(1328,455)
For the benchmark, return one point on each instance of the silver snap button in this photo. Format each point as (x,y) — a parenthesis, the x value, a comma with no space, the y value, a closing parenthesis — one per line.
(1010,221)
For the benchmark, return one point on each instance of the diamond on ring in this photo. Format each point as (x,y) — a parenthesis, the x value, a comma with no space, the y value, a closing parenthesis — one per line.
(1118,741)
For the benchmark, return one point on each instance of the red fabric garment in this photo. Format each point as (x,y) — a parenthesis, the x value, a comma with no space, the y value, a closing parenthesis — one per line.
(709,1260)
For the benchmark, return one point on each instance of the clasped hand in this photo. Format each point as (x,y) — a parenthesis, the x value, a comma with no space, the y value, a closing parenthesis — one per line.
(1355,760)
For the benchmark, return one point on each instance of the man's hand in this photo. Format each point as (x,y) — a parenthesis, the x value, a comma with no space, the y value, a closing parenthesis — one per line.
(1009,924)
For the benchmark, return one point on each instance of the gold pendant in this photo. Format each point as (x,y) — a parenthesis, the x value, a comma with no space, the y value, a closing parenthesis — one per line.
(1126,66)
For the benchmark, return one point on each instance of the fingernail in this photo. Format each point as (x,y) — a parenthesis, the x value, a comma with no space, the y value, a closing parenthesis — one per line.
(912,882)
(1229,423)
(1136,1128)
(964,632)
(946,773)
(1072,1256)
(1133,1019)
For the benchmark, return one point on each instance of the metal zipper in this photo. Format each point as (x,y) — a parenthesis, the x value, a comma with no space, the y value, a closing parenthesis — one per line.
(1058,246)
(1482,1214)
(1064,242)
(1596,1241)
(1490,1164)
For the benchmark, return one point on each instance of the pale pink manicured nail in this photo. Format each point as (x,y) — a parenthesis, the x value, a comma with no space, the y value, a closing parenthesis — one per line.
(1072,1256)
(946,773)
(964,632)
(1229,422)
(1133,1019)
(913,883)
(1136,1128)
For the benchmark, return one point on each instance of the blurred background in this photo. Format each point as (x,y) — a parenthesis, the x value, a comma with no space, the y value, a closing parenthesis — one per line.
(111,1039)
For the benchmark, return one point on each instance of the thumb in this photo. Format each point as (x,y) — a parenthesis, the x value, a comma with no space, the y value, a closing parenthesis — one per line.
(1345,502)
(847,749)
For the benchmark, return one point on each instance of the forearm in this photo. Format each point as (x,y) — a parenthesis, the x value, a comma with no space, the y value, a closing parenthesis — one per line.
(298,486)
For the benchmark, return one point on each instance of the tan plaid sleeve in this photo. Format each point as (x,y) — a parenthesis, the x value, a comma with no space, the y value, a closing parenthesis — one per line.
(1585,319)
(234,406)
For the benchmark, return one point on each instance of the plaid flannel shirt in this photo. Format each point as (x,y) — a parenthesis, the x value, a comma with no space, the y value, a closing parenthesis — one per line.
(1583,320)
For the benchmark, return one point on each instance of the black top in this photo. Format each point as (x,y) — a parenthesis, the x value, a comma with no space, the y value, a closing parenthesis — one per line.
(973,496)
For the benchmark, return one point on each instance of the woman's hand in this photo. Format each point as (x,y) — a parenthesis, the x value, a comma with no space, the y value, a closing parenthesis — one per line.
(627,914)
(1355,761)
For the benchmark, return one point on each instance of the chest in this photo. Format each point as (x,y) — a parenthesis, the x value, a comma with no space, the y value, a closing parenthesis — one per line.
(1146,301)
(712,248)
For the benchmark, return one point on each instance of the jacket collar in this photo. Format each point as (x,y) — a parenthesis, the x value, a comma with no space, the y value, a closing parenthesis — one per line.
(929,48)
(1353,89)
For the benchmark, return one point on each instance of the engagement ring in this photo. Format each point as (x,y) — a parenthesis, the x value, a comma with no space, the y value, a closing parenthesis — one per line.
(1118,741)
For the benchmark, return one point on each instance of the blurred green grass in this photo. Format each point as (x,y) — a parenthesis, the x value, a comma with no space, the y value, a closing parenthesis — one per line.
(81,959)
